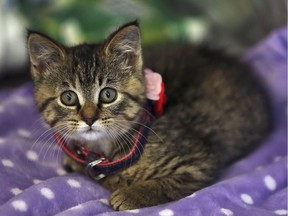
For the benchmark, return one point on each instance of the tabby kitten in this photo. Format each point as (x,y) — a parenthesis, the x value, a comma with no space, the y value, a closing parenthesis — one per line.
(94,96)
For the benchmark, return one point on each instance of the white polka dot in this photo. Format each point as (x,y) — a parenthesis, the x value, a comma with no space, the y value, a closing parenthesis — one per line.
(24,133)
(259,168)
(31,155)
(2,108)
(21,100)
(270,182)
(46,192)
(226,212)
(277,158)
(247,199)
(2,140)
(192,195)
(7,163)
(19,205)
(133,211)
(36,181)
(281,212)
(104,201)
(16,191)
(166,212)
(61,172)
(74,183)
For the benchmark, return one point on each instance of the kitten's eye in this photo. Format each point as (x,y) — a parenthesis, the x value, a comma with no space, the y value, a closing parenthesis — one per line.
(108,95)
(69,98)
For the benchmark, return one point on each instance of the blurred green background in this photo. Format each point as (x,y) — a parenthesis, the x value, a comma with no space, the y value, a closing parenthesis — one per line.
(223,21)
(234,25)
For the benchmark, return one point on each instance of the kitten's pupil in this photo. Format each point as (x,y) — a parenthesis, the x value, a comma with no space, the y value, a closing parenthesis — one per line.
(107,93)
(69,96)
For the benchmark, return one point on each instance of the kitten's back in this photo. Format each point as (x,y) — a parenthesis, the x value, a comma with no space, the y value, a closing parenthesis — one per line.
(215,97)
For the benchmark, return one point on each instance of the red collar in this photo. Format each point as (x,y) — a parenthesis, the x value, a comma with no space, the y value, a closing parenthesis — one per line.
(95,163)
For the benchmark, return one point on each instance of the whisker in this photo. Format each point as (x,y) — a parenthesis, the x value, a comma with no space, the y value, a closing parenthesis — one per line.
(149,113)
(149,128)
(116,140)
(49,131)
(130,138)
(51,144)
(66,138)
(125,138)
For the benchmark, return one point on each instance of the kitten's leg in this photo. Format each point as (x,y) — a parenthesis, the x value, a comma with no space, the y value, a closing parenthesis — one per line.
(161,190)
(165,173)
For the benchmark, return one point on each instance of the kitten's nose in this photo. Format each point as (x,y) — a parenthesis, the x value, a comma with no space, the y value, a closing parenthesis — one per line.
(89,114)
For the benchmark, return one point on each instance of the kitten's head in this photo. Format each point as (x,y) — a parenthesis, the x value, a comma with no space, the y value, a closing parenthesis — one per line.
(89,91)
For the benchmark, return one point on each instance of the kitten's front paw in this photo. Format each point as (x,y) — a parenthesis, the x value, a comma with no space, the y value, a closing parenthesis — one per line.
(125,199)
(134,197)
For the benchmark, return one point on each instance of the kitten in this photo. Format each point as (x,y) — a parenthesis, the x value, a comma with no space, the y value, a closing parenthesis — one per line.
(94,96)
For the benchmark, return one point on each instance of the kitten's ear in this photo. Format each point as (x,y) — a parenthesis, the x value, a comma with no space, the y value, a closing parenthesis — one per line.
(44,52)
(125,42)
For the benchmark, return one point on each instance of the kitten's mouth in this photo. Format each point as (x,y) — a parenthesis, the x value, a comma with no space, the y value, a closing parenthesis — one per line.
(89,134)
(90,138)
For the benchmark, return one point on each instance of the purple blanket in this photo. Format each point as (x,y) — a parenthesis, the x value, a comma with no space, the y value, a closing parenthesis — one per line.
(33,181)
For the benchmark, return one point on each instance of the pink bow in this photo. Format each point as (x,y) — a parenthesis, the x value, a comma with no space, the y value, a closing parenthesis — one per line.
(153,84)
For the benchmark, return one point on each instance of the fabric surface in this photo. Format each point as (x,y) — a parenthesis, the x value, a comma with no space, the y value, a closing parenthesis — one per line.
(33,181)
